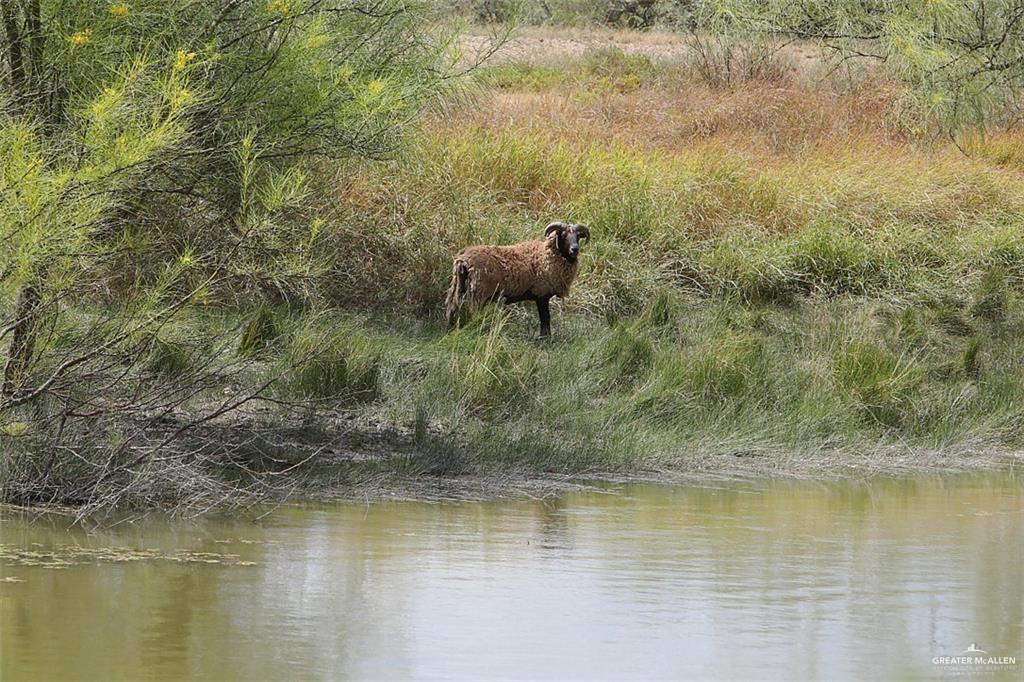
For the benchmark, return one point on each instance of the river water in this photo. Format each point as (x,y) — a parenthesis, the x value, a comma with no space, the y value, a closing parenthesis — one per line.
(875,579)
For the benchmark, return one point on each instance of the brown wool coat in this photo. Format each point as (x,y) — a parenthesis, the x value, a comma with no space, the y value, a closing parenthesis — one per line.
(524,271)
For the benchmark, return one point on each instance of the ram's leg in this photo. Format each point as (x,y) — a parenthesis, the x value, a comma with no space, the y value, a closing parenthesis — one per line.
(544,310)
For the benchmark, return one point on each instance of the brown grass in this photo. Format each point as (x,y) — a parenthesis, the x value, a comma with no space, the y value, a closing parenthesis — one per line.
(540,44)
(806,110)
(760,120)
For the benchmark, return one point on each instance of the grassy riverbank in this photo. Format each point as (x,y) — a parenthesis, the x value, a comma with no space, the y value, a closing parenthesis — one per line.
(783,267)
(784,262)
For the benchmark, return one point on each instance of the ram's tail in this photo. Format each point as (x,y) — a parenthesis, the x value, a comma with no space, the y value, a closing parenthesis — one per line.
(456,292)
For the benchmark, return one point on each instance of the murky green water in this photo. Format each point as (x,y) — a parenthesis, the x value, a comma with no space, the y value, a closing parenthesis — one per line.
(768,580)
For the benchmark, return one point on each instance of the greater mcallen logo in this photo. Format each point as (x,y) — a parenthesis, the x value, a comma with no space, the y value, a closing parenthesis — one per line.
(975,658)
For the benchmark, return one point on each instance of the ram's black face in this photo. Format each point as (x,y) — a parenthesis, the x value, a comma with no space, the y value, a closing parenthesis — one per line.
(567,239)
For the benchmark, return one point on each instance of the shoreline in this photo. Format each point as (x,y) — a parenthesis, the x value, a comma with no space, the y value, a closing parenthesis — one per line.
(365,477)
(708,470)
(767,295)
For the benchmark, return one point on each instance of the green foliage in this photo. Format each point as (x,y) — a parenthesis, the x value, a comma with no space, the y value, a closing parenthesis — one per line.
(725,370)
(626,71)
(832,261)
(167,358)
(835,375)
(261,331)
(971,361)
(747,266)
(950,319)
(662,312)
(961,65)
(599,71)
(337,364)
(627,353)
(990,297)
(57,192)
(492,375)
(155,155)
(879,383)
(520,76)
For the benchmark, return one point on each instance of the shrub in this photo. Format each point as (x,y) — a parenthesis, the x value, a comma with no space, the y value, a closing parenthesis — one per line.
(261,331)
(879,384)
(494,11)
(167,358)
(160,155)
(725,61)
(626,70)
(635,14)
(990,296)
(326,363)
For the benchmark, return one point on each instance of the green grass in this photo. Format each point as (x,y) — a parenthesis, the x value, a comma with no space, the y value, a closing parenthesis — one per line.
(329,363)
(167,358)
(703,221)
(830,298)
(837,299)
(684,378)
(260,331)
(599,71)
(662,386)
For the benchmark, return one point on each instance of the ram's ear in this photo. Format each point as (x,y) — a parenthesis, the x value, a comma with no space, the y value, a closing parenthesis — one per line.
(583,231)
(552,227)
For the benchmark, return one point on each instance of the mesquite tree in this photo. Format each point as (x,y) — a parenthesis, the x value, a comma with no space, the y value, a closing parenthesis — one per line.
(155,153)
(961,60)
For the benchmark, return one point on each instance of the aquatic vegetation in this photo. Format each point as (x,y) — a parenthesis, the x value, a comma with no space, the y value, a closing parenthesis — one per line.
(66,556)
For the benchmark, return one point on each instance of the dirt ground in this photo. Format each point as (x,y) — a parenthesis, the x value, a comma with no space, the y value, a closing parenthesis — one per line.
(540,45)
(352,459)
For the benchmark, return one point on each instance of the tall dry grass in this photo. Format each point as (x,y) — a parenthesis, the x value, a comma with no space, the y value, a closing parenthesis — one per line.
(764,190)
(784,263)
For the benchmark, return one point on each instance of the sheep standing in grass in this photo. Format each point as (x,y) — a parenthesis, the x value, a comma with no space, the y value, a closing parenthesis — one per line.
(528,271)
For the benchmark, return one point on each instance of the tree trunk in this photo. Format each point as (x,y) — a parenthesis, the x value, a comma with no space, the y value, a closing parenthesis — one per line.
(15,53)
(25,38)
(23,341)
(36,40)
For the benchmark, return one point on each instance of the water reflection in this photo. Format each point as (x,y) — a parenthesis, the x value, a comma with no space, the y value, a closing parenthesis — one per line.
(772,579)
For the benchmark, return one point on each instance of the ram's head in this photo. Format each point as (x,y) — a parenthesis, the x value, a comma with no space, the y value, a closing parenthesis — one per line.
(567,238)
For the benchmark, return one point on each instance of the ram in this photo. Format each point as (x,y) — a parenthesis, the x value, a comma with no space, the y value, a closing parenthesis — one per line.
(533,270)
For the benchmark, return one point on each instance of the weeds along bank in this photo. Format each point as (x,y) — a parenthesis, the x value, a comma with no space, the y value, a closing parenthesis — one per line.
(777,268)
(684,378)
(775,188)
(707,222)
(751,285)
(347,399)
